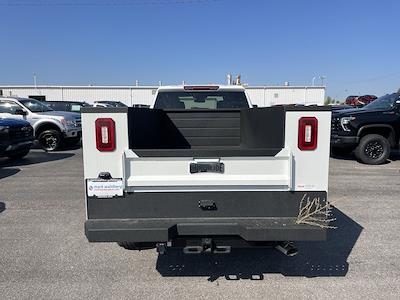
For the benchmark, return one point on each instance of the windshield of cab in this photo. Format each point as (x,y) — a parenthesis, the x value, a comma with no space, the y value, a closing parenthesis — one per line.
(201,100)
(384,102)
(35,105)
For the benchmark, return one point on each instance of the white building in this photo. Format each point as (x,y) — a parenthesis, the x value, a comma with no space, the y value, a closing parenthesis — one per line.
(259,95)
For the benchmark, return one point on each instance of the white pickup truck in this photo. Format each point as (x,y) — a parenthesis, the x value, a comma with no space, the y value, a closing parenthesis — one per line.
(203,170)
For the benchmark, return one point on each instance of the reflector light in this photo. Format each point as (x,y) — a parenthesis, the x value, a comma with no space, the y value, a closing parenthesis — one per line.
(308,133)
(105,134)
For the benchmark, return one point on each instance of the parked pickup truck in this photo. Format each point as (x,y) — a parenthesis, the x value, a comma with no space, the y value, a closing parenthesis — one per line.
(203,170)
(51,128)
(371,130)
(16,138)
(72,106)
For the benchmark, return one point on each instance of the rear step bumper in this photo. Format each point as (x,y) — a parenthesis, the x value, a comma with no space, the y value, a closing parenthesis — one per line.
(163,230)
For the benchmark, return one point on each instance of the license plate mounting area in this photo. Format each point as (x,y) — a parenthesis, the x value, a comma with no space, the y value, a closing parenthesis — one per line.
(207,167)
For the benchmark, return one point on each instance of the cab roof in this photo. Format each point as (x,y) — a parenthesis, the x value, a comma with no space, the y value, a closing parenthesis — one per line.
(205,87)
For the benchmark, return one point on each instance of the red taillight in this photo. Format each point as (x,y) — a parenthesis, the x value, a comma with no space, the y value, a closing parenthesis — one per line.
(308,133)
(105,134)
(201,87)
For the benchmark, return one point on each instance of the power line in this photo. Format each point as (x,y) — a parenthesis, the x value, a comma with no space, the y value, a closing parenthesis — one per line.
(100,2)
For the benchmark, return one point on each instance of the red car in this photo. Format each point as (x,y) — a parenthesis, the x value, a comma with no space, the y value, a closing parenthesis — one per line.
(360,101)
(366,99)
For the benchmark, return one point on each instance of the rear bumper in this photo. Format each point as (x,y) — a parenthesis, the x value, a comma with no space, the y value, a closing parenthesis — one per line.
(73,133)
(254,229)
(161,217)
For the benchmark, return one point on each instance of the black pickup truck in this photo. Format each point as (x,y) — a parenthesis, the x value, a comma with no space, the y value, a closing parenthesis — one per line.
(372,131)
(16,138)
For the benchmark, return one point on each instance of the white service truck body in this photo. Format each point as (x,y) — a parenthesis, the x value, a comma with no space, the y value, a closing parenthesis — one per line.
(202,169)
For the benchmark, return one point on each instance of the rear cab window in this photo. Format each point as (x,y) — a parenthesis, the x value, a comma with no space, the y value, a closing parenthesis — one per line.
(201,100)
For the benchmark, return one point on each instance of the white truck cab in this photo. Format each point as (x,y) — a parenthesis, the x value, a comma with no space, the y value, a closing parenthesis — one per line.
(203,170)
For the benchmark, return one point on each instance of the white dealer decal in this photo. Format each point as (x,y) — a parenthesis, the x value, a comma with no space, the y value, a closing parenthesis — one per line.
(105,188)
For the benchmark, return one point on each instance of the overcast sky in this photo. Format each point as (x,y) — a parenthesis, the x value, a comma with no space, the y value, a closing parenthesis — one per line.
(355,44)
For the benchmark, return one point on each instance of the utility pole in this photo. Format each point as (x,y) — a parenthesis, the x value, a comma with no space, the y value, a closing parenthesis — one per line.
(35,81)
(322,77)
(229,79)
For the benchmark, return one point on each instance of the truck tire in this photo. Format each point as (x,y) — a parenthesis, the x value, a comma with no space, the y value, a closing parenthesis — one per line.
(20,154)
(373,149)
(50,140)
(137,246)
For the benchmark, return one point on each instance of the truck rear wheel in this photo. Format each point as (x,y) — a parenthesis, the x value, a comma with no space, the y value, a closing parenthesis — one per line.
(50,140)
(373,149)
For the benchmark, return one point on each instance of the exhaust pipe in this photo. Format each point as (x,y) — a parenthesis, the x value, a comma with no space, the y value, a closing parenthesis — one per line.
(287,249)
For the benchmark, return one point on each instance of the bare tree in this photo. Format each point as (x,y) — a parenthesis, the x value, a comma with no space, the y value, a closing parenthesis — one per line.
(315,211)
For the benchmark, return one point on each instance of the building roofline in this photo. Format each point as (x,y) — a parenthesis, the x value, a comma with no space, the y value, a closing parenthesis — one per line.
(145,87)
(77,86)
(286,87)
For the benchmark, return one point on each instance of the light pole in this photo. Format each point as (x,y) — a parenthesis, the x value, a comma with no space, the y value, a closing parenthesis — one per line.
(322,77)
(313,81)
(35,80)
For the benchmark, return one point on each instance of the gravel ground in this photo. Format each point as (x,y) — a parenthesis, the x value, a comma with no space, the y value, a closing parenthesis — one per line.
(44,253)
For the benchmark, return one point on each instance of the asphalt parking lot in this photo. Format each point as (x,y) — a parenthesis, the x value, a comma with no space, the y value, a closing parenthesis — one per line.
(44,253)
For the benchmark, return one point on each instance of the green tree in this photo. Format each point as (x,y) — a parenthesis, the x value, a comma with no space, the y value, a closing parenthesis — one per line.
(329,100)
